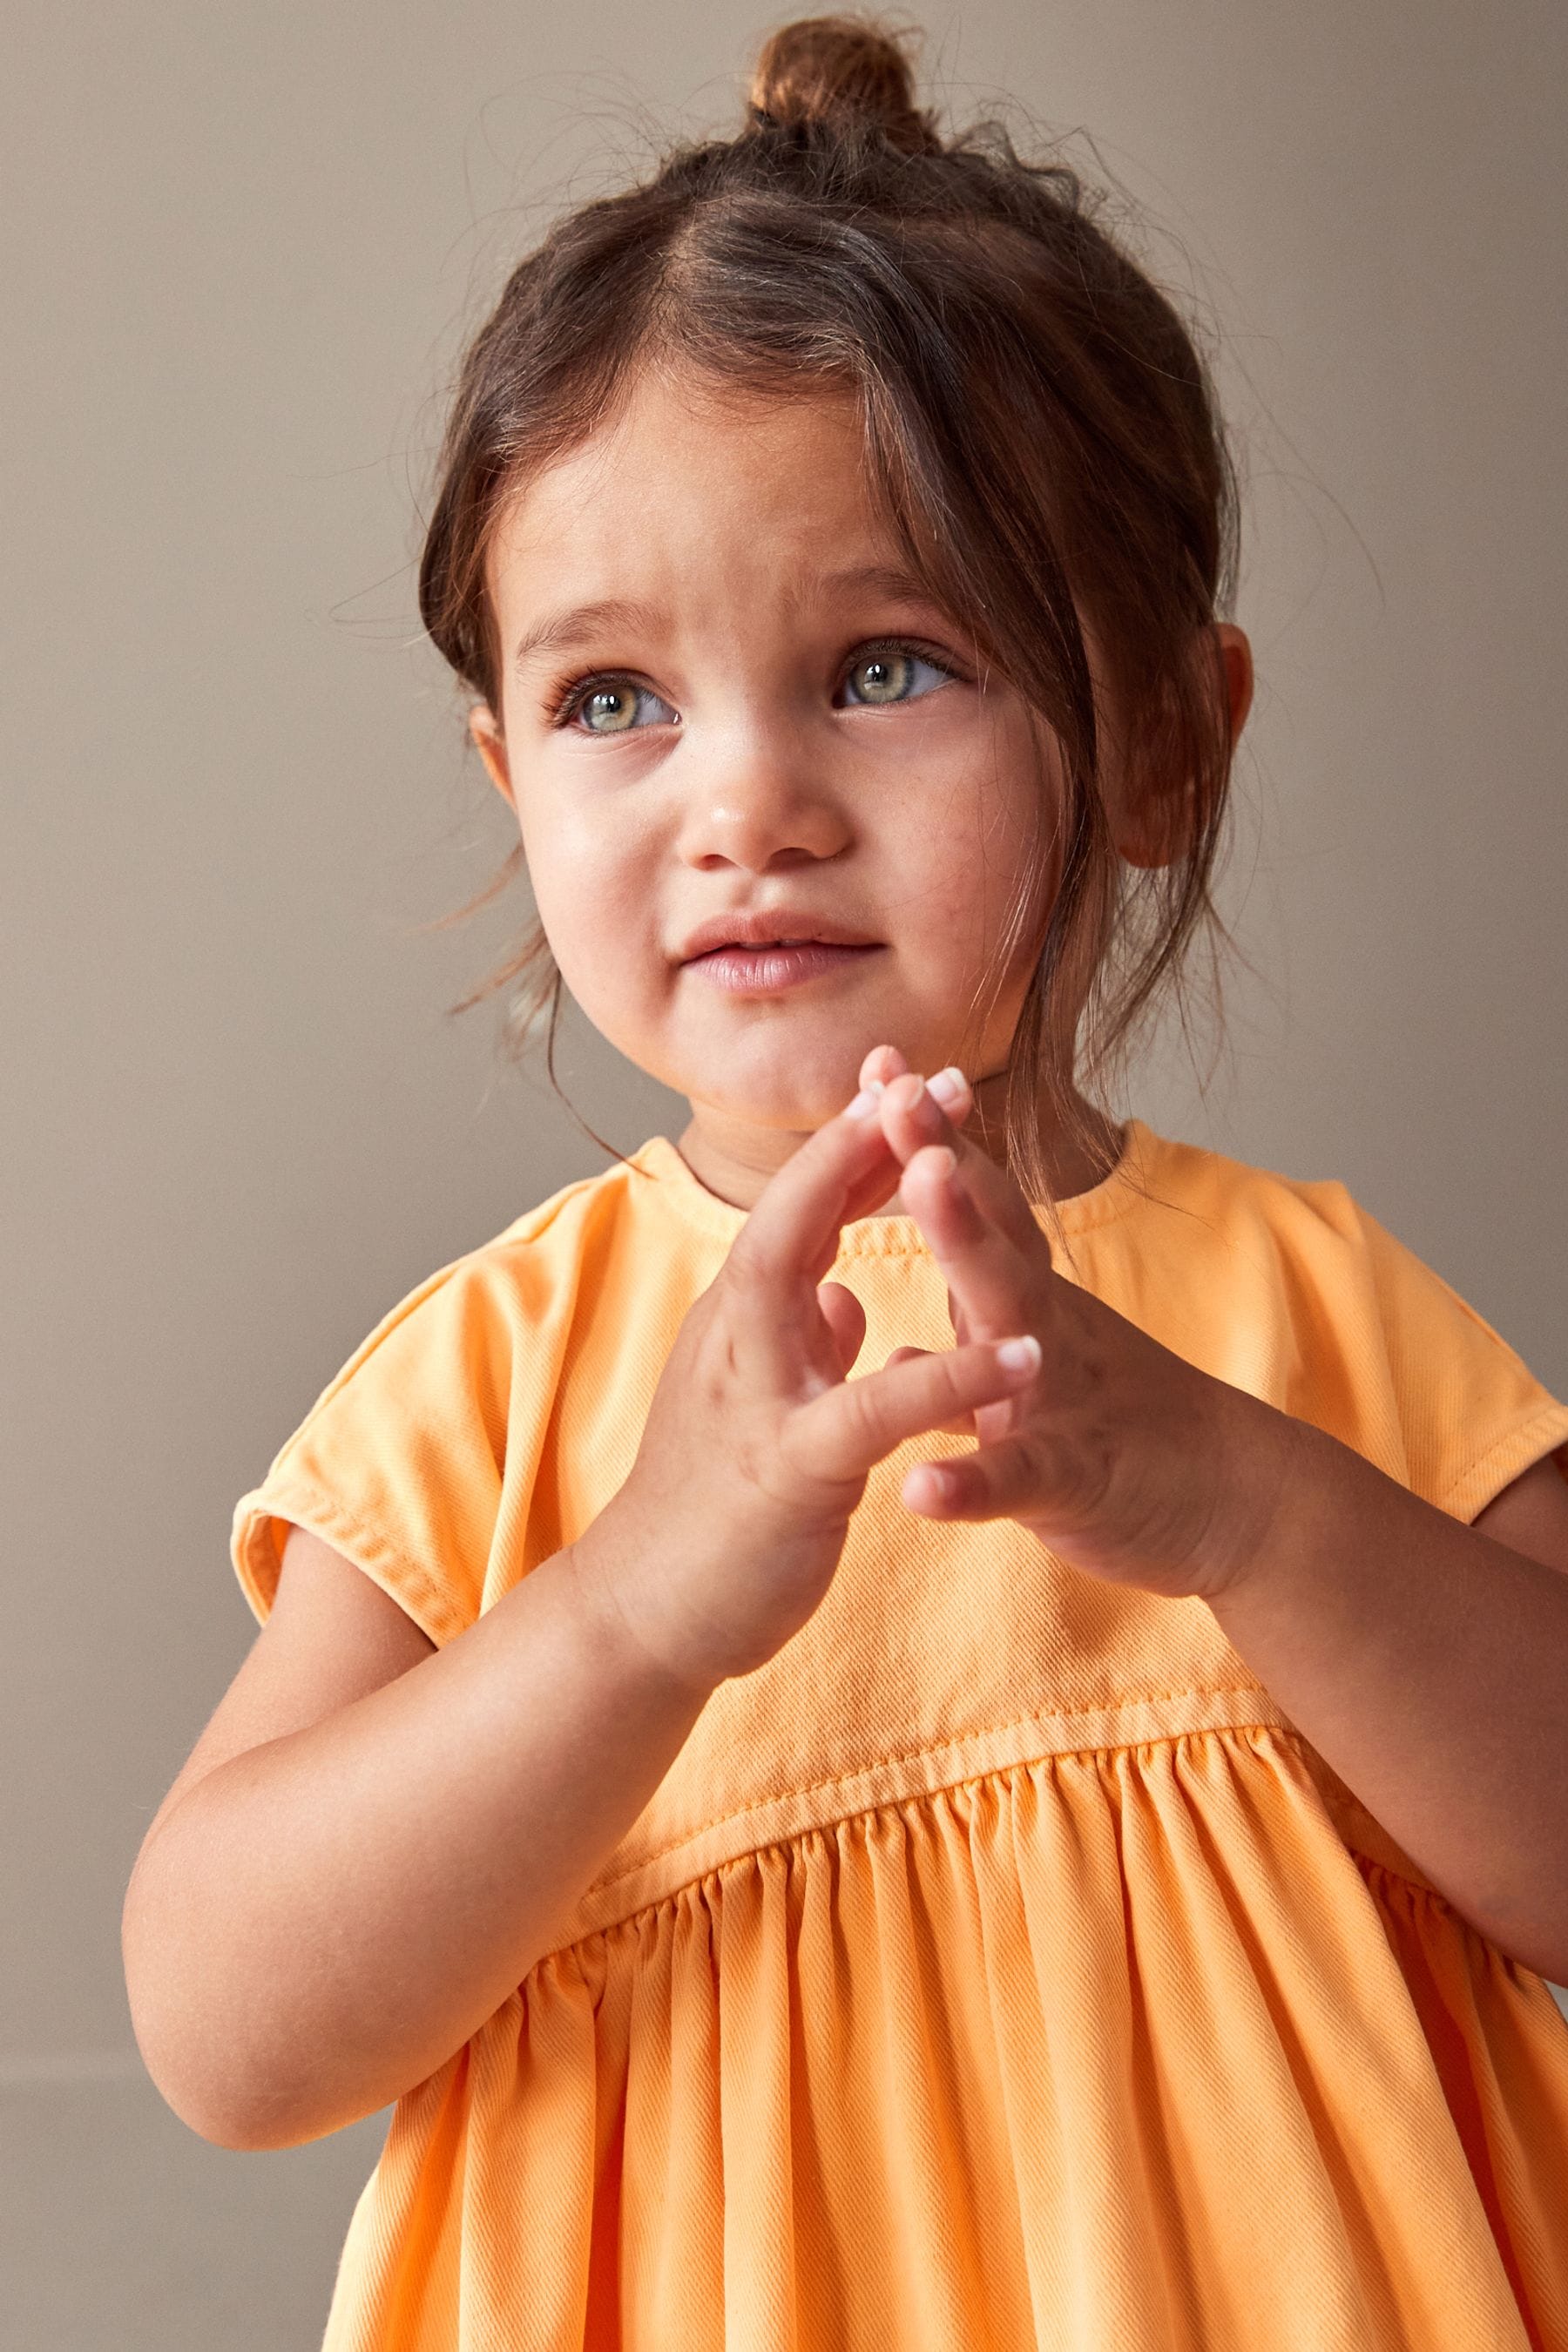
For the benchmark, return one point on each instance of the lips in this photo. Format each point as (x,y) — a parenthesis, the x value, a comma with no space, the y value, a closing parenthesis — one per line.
(776,927)
(771,971)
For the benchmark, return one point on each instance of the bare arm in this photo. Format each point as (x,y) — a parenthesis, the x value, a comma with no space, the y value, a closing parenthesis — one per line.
(376,1846)
(316,1924)
(1428,1662)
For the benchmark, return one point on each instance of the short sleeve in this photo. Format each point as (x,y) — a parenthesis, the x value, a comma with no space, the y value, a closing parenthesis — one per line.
(400,1463)
(1472,1415)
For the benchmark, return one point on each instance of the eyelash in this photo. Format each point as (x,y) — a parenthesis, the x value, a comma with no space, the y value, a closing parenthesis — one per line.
(566,698)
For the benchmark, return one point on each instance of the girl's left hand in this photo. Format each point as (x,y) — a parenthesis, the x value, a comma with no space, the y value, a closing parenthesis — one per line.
(1120,1456)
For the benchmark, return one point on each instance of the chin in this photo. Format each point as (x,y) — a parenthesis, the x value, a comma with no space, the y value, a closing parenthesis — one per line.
(780,1107)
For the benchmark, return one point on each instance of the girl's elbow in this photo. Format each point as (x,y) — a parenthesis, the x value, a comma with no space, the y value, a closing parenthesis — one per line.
(204,2107)
(165,2014)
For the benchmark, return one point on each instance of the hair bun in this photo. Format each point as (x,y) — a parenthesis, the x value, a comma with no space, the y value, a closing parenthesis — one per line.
(843,71)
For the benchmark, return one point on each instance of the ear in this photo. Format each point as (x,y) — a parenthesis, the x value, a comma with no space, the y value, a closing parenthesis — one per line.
(491,744)
(1156,829)
(1236,655)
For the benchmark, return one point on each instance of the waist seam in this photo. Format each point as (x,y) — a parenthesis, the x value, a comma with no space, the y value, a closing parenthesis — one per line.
(781,1816)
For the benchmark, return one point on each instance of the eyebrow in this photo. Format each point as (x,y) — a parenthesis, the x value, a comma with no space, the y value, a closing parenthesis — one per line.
(881,579)
(583,621)
(570,628)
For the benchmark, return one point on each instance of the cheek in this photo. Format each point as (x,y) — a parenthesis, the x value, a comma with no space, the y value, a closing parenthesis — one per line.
(592,878)
(982,831)
(1025,844)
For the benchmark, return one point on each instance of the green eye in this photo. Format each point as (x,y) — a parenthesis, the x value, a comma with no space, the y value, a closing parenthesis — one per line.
(614,705)
(881,678)
(892,674)
(609,709)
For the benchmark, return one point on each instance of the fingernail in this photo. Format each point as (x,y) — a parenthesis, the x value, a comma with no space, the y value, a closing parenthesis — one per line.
(1019,1355)
(865,1102)
(947,1085)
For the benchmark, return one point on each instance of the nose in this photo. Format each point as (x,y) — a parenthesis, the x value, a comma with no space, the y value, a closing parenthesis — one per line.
(758,796)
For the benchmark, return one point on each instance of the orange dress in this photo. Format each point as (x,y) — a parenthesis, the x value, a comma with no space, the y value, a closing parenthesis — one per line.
(997,1965)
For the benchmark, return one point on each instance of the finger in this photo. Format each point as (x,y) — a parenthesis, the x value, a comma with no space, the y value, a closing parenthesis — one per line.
(882,1181)
(875,1190)
(912,1118)
(992,1283)
(845,1432)
(962,1424)
(882,1062)
(792,1233)
(845,1318)
(998,1481)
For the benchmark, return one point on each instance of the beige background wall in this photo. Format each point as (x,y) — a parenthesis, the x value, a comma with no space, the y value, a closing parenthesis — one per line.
(241,242)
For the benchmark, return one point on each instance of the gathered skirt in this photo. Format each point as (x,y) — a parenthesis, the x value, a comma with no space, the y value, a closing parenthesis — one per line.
(1122,2050)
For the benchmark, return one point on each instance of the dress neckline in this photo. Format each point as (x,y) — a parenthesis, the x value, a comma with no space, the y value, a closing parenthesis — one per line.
(898,1237)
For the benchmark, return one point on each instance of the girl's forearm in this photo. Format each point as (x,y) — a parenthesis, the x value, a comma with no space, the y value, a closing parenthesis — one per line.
(322,1921)
(1429,1666)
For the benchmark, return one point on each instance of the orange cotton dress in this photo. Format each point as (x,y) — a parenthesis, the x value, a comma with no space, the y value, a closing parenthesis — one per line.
(997,1965)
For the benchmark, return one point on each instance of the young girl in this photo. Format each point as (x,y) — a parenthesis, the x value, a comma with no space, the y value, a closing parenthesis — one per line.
(918,1720)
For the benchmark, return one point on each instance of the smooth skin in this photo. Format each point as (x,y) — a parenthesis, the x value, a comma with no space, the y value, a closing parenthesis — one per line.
(721,558)
(338,1891)
(736,605)
(1426,1660)
(757,1447)
(336,1894)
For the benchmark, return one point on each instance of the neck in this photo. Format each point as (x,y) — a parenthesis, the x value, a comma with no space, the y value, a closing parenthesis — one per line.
(735,1158)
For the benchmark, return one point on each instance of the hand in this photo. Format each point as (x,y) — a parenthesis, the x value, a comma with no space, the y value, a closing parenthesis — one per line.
(757,1448)
(1121,1457)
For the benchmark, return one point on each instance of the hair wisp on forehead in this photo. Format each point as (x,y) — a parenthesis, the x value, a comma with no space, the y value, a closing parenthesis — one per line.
(1041,426)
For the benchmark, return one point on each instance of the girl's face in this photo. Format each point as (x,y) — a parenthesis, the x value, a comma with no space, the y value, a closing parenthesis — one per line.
(721,697)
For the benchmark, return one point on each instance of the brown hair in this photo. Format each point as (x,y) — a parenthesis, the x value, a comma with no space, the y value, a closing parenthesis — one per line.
(1043,430)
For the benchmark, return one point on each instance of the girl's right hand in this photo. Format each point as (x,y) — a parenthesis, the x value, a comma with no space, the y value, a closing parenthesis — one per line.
(756,1449)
